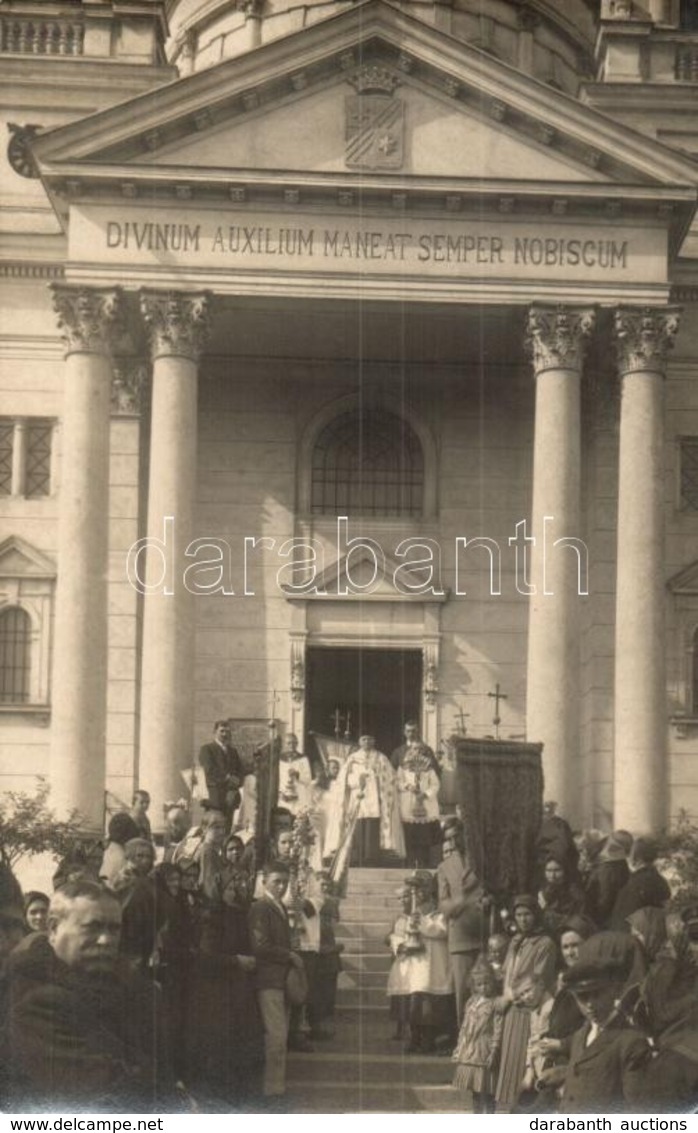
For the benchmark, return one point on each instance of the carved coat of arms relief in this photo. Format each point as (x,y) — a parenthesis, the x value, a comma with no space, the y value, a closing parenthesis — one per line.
(375,121)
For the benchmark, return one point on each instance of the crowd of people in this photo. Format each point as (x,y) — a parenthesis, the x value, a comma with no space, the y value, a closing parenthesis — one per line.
(175,974)
(580,997)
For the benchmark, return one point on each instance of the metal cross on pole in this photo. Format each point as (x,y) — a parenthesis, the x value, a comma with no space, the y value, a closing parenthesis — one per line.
(337,720)
(497,696)
(461,717)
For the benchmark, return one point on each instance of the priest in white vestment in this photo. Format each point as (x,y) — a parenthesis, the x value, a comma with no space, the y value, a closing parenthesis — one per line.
(365,822)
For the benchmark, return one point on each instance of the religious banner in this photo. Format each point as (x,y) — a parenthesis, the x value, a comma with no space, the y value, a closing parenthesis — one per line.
(500,793)
(330,747)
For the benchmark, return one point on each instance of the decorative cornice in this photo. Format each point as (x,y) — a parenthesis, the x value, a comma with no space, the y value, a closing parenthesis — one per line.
(644,336)
(557,336)
(32,271)
(684,292)
(87,317)
(177,322)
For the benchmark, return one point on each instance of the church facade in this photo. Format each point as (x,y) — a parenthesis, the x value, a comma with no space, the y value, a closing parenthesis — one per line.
(349,373)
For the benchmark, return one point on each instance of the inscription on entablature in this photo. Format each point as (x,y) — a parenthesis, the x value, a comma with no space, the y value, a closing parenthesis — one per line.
(451,246)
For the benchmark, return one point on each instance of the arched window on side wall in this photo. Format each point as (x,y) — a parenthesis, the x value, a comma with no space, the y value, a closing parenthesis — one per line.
(367,462)
(15,660)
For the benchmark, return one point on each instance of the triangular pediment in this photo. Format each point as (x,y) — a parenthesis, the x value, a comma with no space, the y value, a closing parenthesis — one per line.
(685,581)
(361,576)
(18,559)
(430,107)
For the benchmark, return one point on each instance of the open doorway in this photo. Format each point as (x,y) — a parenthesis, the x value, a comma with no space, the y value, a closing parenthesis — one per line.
(376,689)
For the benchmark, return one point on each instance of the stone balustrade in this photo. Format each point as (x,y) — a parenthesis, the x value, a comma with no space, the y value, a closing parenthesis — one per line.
(41,36)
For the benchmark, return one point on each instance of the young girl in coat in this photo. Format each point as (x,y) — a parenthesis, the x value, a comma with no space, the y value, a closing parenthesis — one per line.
(477,1050)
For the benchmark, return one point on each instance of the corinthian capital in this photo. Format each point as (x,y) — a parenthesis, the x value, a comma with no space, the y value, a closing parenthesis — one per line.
(557,336)
(644,337)
(177,321)
(87,317)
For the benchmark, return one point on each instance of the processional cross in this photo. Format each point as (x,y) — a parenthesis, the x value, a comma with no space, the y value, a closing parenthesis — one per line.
(497,696)
(461,717)
(338,719)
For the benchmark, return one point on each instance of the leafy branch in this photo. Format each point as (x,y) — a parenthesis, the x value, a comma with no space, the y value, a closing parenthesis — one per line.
(28,827)
(680,846)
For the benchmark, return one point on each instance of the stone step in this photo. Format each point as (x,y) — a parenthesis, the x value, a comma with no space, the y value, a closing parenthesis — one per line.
(375,1097)
(364,996)
(367,914)
(367,876)
(362,977)
(394,1069)
(385,885)
(366,930)
(357,944)
(367,962)
(371,900)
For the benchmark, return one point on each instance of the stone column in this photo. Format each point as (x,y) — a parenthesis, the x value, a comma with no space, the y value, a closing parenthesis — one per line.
(79,689)
(177,324)
(19,457)
(643,338)
(557,336)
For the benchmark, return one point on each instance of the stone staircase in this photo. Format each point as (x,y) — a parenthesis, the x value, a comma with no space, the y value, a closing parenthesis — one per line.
(362,1070)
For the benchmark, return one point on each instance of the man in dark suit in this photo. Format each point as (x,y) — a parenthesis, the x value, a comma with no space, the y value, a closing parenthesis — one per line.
(413,743)
(645,886)
(610,1059)
(460,901)
(223,771)
(270,938)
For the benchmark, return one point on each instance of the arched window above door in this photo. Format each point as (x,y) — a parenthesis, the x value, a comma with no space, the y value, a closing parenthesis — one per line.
(368,462)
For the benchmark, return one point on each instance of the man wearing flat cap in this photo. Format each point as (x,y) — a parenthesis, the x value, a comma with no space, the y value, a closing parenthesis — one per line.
(609,1056)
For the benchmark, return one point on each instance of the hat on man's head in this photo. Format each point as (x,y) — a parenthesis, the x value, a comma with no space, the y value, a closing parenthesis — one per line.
(625,838)
(613,850)
(606,957)
(525,901)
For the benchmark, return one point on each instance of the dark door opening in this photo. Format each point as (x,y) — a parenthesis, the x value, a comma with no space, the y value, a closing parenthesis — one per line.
(377,688)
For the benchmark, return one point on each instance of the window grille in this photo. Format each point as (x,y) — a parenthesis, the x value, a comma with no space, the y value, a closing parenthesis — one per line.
(7,430)
(38,470)
(367,463)
(15,633)
(689,473)
(25,457)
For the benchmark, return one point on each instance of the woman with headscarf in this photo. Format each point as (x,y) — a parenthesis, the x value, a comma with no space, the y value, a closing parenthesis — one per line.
(565,1016)
(226,1043)
(531,954)
(608,875)
(560,896)
(234,886)
(36,911)
(173,958)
